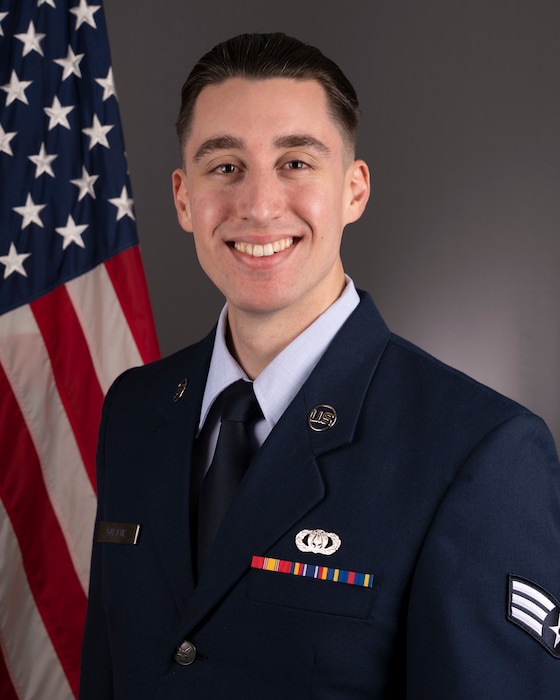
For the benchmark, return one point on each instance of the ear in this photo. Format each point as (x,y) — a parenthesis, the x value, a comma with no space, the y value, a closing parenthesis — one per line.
(181,198)
(358,188)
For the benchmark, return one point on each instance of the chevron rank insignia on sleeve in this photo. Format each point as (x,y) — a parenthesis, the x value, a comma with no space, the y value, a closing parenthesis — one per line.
(536,611)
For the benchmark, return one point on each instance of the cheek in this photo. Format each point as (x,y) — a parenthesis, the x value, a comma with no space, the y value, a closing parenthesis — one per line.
(311,203)
(322,209)
(208,210)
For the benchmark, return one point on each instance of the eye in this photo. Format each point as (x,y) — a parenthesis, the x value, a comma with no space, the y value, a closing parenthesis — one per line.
(226,168)
(295,165)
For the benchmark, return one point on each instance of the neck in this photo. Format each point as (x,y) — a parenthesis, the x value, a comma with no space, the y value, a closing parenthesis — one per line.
(255,339)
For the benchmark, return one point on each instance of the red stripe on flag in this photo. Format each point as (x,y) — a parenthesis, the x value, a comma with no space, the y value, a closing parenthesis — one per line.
(50,572)
(7,690)
(127,275)
(73,370)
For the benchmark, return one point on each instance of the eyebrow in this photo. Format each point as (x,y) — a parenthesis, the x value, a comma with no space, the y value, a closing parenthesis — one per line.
(231,142)
(216,144)
(302,141)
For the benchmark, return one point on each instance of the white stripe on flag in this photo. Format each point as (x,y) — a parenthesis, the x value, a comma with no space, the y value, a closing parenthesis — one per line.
(30,657)
(112,346)
(27,365)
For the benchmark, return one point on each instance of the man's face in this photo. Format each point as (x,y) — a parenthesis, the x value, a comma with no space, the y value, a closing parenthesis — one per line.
(268,187)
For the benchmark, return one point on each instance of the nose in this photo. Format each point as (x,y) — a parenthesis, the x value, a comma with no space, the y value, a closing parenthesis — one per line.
(260,197)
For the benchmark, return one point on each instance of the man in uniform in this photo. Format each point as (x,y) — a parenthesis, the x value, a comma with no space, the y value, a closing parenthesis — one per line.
(365,522)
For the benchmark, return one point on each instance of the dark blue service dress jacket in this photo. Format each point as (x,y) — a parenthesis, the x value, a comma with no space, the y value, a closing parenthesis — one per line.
(397,535)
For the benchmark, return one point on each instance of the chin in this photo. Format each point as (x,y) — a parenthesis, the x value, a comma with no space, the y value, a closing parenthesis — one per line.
(262,304)
(261,297)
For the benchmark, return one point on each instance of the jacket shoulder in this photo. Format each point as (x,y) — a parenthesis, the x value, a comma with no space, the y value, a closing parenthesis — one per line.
(163,377)
(434,382)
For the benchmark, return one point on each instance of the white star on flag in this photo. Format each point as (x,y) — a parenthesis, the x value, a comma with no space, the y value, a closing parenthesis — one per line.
(48,2)
(85,184)
(108,85)
(57,114)
(72,233)
(124,205)
(70,64)
(43,162)
(98,133)
(14,261)
(5,138)
(84,13)
(2,16)
(16,89)
(30,212)
(31,40)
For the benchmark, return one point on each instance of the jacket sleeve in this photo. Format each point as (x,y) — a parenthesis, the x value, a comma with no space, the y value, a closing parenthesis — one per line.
(500,518)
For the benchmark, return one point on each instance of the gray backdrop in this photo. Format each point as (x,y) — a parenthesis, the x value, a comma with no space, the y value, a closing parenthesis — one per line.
(460,244)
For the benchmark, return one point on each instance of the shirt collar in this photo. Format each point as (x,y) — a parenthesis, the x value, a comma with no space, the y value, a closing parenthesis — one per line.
(280,381)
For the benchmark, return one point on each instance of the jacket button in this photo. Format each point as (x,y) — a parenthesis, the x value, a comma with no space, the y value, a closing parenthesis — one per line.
(185,654)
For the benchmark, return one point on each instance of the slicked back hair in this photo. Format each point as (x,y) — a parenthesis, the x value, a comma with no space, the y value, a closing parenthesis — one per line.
(266,56)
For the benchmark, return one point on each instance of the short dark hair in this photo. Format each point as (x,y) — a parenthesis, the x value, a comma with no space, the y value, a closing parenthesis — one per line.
(264,56)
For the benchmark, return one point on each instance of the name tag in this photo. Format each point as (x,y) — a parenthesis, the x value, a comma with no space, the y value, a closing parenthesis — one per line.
(118,533)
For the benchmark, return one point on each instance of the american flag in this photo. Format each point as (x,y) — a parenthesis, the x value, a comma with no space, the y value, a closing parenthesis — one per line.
(74,313)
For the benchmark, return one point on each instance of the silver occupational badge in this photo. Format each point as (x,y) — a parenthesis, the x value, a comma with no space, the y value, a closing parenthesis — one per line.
(317,542)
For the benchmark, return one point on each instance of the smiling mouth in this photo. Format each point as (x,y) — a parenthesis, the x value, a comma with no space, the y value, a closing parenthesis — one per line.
(258,250)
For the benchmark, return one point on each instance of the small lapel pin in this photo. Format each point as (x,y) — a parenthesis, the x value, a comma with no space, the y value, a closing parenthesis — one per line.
(318,542)
(180,390)
(322,418)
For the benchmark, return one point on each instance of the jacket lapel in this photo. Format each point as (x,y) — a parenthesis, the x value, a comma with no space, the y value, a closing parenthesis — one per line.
(167,485)
(263,508)
(284,481)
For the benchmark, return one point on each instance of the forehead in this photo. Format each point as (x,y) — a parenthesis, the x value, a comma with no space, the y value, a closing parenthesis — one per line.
(271,108)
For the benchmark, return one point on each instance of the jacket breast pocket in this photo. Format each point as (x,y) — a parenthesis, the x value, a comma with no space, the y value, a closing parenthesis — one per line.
(311,593)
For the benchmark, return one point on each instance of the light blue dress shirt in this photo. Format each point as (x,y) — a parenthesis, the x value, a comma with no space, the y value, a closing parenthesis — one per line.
(280,381)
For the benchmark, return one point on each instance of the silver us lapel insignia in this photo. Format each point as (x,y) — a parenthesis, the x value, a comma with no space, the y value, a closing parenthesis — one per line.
(318,542)
(322,418)
(536,611)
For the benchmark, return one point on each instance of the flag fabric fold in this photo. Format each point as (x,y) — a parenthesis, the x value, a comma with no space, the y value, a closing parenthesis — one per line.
(74,313)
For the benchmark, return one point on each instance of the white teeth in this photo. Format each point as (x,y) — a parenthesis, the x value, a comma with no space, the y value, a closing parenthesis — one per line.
(256,250)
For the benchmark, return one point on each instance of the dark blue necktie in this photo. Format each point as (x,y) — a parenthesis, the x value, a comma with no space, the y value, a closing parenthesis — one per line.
(234,451)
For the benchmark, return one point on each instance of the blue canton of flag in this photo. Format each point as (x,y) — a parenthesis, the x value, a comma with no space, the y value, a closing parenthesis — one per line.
(62,162)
